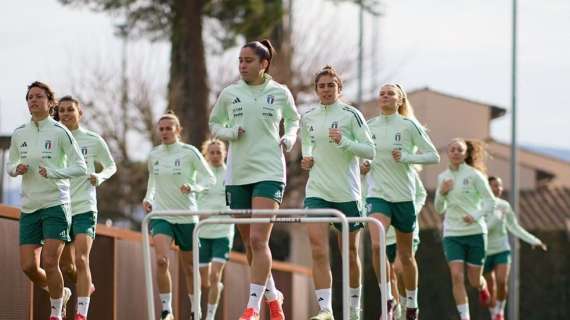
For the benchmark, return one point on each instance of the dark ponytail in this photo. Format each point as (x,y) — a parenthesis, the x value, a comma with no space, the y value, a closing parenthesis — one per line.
(262,49)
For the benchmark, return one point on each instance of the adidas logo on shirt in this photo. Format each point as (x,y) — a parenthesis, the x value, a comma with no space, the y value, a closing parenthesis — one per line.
(236,100)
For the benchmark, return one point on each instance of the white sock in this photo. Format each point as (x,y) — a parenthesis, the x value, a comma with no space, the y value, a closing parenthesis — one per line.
(355,297)
(211,311)
(412,301)
(463,311)
(270,289)
(324,298)
(255,294)
(83,305)
(500,307)
(56,305)
(403,302)
(166,300)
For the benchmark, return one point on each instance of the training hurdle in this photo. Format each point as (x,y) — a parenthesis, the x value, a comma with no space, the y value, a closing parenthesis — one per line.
(275,216)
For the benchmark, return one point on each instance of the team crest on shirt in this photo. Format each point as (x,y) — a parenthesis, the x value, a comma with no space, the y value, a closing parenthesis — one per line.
(47,145)
(270,99)
(398,136)
(466,181)
(177,163)
(84,151)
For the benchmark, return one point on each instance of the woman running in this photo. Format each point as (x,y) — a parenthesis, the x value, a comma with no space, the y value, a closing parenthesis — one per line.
(400,143)
(248,114)
(334,136)
(215,240)
(177,172)
(465,198)
(75,258)
(498,260)
(46,155)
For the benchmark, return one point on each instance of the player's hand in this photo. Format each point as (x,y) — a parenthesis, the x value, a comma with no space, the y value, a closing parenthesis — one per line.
(147,207)
(185,188)
(468,219)
(541,246)
(22,169)
(43,172)
(364,167)
(335,134)
(397,155)
(241,132)
(307,163)
(93,180)
(446,186)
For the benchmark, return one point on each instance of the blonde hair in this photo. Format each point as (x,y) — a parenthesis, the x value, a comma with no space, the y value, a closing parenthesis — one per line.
(210,142)
(405,109)
(476,153)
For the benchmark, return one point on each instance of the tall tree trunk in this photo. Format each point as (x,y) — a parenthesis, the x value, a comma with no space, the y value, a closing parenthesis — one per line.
(188,87)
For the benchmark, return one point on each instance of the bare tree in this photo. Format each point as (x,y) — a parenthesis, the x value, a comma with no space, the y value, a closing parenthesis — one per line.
(126,125)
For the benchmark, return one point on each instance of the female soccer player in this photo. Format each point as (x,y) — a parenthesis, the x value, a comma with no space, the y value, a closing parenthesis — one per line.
(215,240)
(75,258)
(463,194)
(177,172)
(46,155)
(391,182)
(498,260)
(334,136)
(248,114)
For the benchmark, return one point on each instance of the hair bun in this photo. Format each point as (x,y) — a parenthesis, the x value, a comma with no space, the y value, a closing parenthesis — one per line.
(328,67)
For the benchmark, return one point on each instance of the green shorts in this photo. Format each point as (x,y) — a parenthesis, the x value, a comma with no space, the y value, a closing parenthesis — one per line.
(215,250)
(350,209)
(401,214)
(491,261)
(239,197)
(181,233)
(43,224)
(83,223)
(469,249)
(392,249)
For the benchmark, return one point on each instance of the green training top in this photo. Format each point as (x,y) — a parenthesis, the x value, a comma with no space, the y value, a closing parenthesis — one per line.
(215,199)
(49,144)
(393,180)
(171,166)
(256,155)
(470,194)
(502,219)
(335,175)
(94,149)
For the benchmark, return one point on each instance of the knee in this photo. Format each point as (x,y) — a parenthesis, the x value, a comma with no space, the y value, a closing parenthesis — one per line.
(501,282)
(215,278)
(51,263)
(457,277)
(68,269)
(82,261)
(406,257)
(320,252)
(30,267)
(353,255)
(162,263)
(257,243)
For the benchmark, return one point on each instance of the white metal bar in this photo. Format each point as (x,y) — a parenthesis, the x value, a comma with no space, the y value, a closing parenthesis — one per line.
(383,271)
(338,217)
